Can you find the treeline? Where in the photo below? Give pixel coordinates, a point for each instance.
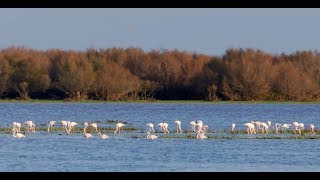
(132, 74)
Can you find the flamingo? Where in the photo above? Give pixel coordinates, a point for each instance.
(250, 128)
(150, 127)
(95, 126)
(301, 126)
(193, 124)
(161, 127)
(65, 125)
(296, 125)
(17, 134)
(258, 125)
(200, 125)
(29, 124)
(277, 127)
(265, 127)
(205, 128)
(269, 123)
(85, 134)
(33, 128)
(178, 123)
(253, 128)
(119, 126)
(165, 127)
(16, 126)
(286, 126)
(151, 136)
(200, 135)
(71, 126)
(103, 136)
(233, 125)
(311, 128)
(50, 125)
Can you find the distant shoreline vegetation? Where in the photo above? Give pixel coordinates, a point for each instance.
(155, 101)
(133, 75)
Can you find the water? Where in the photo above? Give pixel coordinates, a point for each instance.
(43, 152)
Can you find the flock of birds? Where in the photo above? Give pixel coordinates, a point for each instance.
(68, 126)
(253, 127)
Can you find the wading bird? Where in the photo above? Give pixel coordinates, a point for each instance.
(94, 126)
(233, 125)
(311, 128)
(119, 126)
(250, 128)
(200, 135)
(150, 127)
(85, 134)
(165, 127)
(193, 125)
(200, 125)
(71, 126)
(17, 134)
(277, 127)
(205, 128)
(103, 136)
(30, 126)
(151, 136)
(178, 125)
(50, 125)
(16, 126)
(65, 126)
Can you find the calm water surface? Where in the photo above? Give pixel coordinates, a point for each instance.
(65, 153)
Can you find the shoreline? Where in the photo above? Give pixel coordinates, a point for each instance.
(158, 101)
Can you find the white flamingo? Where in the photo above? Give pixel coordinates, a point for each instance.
(119, 126)
(296, 125)
(103, 136)
(269, 123)
(71, 126)
(95, 126)
(200, 125)
(161, 127)
(265, 127)
(17, 134)
(65, 126)
(277, 127)
(311, 128)
(29, 125)
(150, 127)
(200, 135)
(85, 134)
(301, 126)
(250, 128)
(178, 124)
(165, 127)
(233, 125)
(205, 128)
(151, 136)
(50, 125)
(286, 126)
(193, 125)
(16, 126)
(258, 125)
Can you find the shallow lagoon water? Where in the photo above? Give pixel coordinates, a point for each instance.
(43, 152)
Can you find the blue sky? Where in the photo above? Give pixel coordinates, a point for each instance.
(210, 31)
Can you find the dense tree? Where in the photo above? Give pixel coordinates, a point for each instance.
(5, 74)
(114, 82)
(131, 74)
(74, 75)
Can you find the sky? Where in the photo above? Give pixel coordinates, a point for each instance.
(209, 31)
